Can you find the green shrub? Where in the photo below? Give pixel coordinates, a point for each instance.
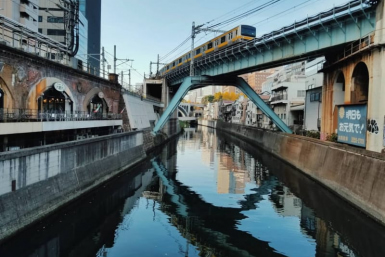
(332, 137)
(313, 134)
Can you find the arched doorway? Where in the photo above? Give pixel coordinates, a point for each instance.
(339, 90)
(54, 101)
(360, 84)
(97, 107)
(338, 97)
(1, 99)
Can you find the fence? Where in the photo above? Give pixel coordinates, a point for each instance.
(26, 115)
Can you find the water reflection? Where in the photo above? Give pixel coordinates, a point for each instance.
(207, 194)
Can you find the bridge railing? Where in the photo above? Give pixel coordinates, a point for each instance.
(357, 46)
(28, 115)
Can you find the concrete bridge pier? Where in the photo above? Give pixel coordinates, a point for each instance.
(172, 126)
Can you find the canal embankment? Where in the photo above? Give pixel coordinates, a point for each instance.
(355, 174)
(38, 181)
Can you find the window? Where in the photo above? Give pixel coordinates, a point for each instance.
(173, 64)
(198, 51)
(301, 93)
(210, 45)
(40, 19)
(284, 116)
(40, 30)
(56, 32)
(54, 19)
(315, 97)
(180, 60)
(223, 39)
(230, 35)
(168, 67)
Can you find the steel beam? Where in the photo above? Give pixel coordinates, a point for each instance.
(202, 81)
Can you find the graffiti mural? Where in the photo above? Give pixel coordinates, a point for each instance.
(372, 126)
(383, 135)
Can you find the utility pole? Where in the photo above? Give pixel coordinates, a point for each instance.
(194, 31)
(129, 79)
(103, 61)
(114, 59)
(150, 68)
(157, 66)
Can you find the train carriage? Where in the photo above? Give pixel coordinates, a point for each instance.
(233, 36)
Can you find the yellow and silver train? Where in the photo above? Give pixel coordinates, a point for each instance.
(235, 35)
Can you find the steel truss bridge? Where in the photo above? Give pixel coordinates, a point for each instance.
(328, 32)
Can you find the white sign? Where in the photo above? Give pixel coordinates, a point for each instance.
(100, 94)
(59, 86)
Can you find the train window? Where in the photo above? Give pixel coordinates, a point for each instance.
(223, 39)
(236, 32)
(180, 60)
(210, 45)
(197, 51)
(173, 64)
(188, 56)
(168, 67)
(230, 35)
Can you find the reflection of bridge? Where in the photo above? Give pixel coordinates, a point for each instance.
(218, 223)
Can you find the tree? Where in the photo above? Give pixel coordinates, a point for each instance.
(217, 96)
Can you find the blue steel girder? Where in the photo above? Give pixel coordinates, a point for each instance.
(202, 81)
(314, 36)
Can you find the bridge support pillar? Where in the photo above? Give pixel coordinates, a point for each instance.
(202, 81)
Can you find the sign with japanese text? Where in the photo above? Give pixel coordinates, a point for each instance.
(352, 124)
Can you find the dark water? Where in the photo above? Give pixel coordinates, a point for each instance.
(205, 194)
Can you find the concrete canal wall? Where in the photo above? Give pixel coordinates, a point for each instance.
(355, 174)
(37, 181)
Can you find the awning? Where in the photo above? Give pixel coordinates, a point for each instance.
(297, 108)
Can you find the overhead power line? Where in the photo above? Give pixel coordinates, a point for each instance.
(175, 49)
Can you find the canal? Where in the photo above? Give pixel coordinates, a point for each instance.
(204, 194)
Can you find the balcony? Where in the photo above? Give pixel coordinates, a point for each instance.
(276, 99)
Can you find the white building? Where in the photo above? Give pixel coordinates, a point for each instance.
(25, 12)
(313, 104)
(288, 94)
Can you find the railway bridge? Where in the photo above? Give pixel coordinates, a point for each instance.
(351, 37)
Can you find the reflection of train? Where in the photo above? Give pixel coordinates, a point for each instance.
(235, 35)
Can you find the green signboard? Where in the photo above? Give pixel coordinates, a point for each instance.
(352, 124)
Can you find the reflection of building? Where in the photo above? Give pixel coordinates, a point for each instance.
(285, 202)
(232, 174)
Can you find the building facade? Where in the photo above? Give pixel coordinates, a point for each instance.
(24, 12)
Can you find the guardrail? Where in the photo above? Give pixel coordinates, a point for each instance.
(28, 115)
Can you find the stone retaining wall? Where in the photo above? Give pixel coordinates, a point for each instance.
(37, 181)
(355, 174)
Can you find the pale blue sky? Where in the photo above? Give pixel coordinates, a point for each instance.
(142, 29)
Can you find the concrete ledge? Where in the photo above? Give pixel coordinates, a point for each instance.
(355, 174)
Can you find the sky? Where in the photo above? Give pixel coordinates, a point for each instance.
(142, 29)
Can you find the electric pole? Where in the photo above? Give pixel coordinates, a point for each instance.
(157, 66)
(194, 31)
(103, 61)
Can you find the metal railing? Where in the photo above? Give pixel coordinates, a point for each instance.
(28, 115)
(278, 97)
